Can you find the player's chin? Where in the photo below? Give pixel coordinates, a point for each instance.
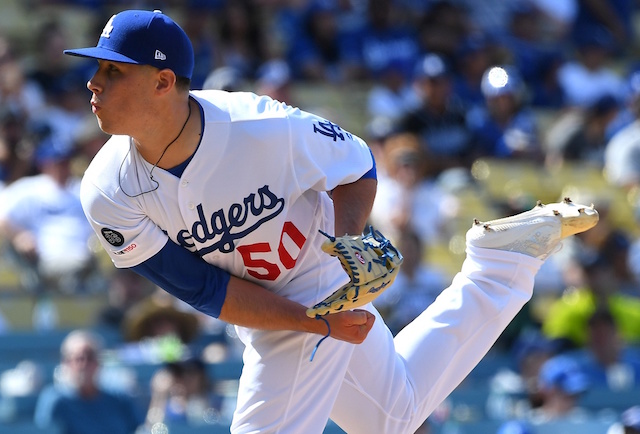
(104, 126)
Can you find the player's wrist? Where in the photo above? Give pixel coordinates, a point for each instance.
(315, 325)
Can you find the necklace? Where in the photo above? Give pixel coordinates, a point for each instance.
(170, 143)
(157, 184)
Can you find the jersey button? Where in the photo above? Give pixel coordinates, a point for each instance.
(191, 205)
(185, 183)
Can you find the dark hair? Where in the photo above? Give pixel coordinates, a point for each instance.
(602, 315)
(183, 83)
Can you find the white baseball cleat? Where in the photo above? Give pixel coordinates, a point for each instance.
(536, 232)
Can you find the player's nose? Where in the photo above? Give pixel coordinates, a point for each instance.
(93, 84)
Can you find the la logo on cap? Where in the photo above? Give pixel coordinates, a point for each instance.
(108, 28)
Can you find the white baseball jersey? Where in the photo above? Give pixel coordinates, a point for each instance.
(250, 201)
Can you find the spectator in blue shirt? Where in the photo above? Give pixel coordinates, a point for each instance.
(504, 127)
(606, 360)
(439, 120)
(76, 404)
(384, 40)
(318, 49)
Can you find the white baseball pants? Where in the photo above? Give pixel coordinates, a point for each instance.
(383, 385)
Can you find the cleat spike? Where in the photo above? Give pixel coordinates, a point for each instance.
(556, 212)
(567, 200)
(581, 210)
(476, 222)
(539, 203)
(487, 227)
(592, 206)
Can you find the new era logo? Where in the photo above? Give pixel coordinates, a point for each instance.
(160, 55)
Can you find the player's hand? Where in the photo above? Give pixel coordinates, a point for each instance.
(351, 326)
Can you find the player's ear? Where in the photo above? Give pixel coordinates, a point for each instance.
(165, 80)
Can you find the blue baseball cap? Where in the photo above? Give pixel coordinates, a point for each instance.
(431, 66)
(515, 427)
(564, 373)
(53, 149)
(143, 38)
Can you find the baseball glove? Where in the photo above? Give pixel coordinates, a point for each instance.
(371, 262)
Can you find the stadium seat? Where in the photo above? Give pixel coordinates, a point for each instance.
(198, 429)
(566, 427)
(559, 427)
(602, 398)
(26, 428)
(17, 409)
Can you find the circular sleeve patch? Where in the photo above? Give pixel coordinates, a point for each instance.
(114, 238)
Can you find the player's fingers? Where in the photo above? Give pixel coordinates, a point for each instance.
(351, 326)
(360, 316)
(364, 325)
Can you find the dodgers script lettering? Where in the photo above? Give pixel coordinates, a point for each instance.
(220, 225)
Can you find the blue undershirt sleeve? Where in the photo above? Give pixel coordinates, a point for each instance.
(188, 277)
(372, 173)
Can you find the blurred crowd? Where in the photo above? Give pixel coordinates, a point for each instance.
(449, 90)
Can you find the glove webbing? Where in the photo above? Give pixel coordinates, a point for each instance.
(349, 261)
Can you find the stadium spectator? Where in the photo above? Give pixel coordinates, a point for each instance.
(557, 17)
(198, 22)
(391, 94)
(587, 140)
(316, 50)
(61, 81)
(442, 28)
(407, 200)
(384, 40)
(183, 393)
(567, 318)
(629, 422)
(274, 79)
(76, 403)
(561, 383)
(242, 42)
(157, 316)
(15, 152)
(622, 153)
(438, 120)
(505, 127)
(610, 245)
(415, 288)
(377, 131)
(225, 78)
(514, 389)
(611, 18)
(524, 42)
(588, 75)
(606, 359)
(88, 138)
(534, 57)
(125, 289)
(472, 58)
(18, 93)
(490, 17)
(51, 69)
(49, 236)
